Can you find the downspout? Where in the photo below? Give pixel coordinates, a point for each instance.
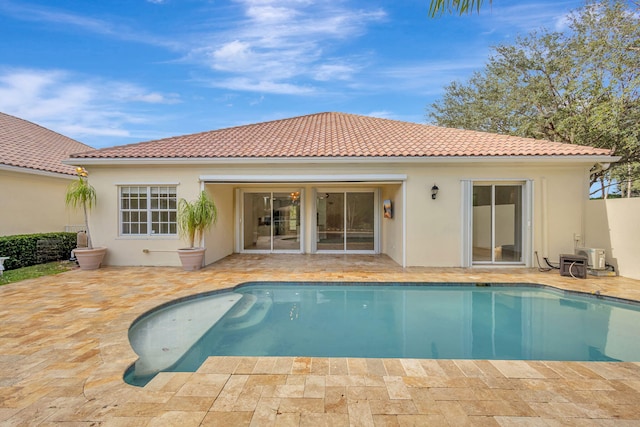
(545, 218)
(404, 224)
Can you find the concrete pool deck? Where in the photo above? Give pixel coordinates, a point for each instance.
(64, 349)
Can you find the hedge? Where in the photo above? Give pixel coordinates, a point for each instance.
(24, 250)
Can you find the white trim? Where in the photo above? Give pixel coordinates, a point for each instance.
(376, 219)
(149, 212)
(30, 171)
(239, 221)
(241, 229)
(527, 239)
(587, 159)
(404, 224)
(467, 224)
(147, 183)
(274, 179)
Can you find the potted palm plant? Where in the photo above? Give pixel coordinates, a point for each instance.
(81, 194)
(194, 218)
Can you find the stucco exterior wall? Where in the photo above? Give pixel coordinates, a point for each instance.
(391, 228)
(219, 240)
(31, 203)
(613, 225)
(433, 227)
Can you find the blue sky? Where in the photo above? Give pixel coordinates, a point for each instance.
(114, 72)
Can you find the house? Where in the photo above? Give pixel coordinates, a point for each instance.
(343, 183)
(33, 178)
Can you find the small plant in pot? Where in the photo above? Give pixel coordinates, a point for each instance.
(194, 218)
(81, 194)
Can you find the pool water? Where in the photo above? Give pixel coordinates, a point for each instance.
(387, 321)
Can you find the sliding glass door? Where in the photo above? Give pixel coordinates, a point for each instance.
(346, 221)
(271, 221)
(497, 220)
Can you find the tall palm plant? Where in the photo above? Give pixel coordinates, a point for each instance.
(81, 193)
(196, 217)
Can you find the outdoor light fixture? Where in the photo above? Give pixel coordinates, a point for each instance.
(434, 191)
(82, 172)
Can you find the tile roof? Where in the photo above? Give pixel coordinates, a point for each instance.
(340, 135)
(28, 145)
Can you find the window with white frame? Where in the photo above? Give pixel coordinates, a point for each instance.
(148, 210)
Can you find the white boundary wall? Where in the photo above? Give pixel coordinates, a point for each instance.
(614, 225)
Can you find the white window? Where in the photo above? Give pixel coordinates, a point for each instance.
(148, 210)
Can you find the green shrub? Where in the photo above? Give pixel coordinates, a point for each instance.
(24, 250)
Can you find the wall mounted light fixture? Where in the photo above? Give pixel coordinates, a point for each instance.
(434, 191)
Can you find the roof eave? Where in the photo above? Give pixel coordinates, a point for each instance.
(124, 161)
(32, 171)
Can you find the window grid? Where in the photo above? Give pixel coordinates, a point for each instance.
(148, 210)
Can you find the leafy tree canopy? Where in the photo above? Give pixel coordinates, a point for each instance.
(579, 86)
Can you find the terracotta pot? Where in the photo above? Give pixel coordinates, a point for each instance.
(191, 258)
(89, 259)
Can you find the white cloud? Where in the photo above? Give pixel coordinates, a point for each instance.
(262, 86)
(381, 114)
(69, 21)
(426, 78)
(278, 44)
(127, 92)
(532, 16)
(74, 105)
(274, 45)
(561, 23)
(331, 72)
(271, 14)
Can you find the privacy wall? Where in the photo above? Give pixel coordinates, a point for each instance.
(613, 225)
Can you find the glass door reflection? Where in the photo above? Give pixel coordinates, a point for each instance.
(271, 221)
(360, 222)
(497, 223)
(330, 215)
(286, 221)
(345, 221)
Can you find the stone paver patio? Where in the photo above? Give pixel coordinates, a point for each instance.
(64, 349)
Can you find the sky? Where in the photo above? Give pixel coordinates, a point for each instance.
(113, 72)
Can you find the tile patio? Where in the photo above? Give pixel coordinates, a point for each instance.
(64, 349)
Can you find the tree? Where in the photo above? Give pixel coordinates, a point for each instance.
(581, 86)
(438, 7)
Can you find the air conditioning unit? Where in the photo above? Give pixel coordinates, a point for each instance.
(595, 257)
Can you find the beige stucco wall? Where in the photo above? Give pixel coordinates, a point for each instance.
(31, 203)
(391, 228)
(613, 225)
(433, 227)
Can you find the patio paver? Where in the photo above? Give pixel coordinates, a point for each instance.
(64, 349)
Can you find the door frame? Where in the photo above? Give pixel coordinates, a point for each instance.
(467, 221)
(376, 218)
(240, 230)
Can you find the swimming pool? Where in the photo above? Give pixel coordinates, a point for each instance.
(373, 320)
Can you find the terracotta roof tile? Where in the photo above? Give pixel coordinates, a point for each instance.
(340, 135)
(28, 145)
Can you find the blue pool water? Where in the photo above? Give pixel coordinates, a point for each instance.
(385, 321)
